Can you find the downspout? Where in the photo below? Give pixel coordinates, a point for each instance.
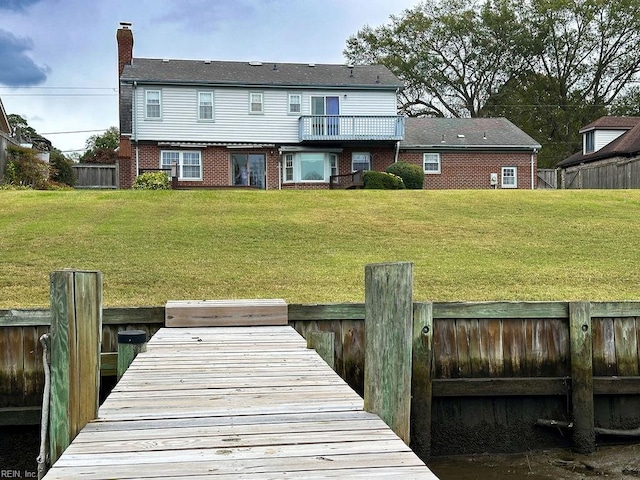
(279, 169)
(135, 125)
(532, 168)
(395, 160)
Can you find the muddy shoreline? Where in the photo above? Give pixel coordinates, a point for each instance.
(614, 462)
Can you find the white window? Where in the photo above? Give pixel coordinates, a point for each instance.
(309, 167)
(509, 177)
(333, 160)
(590, 142)
(189, 163)
(431, 163)
(312, 167)
(153, 104)
(295, 103)
(256, 102)
(360, 161)
(205, 105)
(288, 167)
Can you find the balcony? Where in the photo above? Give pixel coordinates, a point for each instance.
(350, 127)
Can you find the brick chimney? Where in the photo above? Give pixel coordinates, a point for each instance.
(124, 36)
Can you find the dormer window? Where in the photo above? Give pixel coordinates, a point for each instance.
(589, 142)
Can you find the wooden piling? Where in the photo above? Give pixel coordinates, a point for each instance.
(76, 325)
(584, 439)
(324, 344)
(130, 344)
(421, 374)
(388, 344)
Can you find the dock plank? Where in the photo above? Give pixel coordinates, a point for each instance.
(241, 402)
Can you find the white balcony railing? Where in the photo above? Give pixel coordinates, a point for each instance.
(350, 127)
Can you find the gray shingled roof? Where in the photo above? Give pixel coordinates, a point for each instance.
(266, 74)
(449, 133)
(626, 145)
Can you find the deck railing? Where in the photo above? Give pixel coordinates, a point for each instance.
(348, 180)
(351, 127)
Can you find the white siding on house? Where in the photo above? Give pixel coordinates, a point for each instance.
(601, 138)
(232, 120)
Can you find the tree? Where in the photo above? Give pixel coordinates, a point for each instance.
(61, 170)
(102, 148)
(21, 130)
(450, 55)
(551, 66)
(25, 168)
(627, 104)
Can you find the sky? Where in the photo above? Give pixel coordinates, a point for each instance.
(58, 58)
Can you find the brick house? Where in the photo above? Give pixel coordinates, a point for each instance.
(470, 153)
(610, 156)
(249, 124)
(296, 126)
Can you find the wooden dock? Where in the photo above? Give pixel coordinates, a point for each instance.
(234, 402)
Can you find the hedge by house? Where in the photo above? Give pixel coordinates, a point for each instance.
(412, 175)
(382, 181)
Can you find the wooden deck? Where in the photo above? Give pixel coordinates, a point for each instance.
(234, 402)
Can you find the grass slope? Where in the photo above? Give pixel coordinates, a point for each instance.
(312, 246)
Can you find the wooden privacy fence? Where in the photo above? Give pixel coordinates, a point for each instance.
(581, 359)
(615, 174)
(547, 178)
(96, 175)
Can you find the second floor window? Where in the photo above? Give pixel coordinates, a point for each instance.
(295, 103)
(205, 105)
(256, 102)
(153, 104)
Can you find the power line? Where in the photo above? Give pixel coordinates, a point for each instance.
(62, 88)
(74, 131)
(59, 94)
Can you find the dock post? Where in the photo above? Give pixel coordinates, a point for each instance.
(76, 329)
(324, 345)
(421, 374)
(584, 438)
(388, 342)
(130, 344)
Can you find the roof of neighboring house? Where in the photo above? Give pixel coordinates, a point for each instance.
(465, 133)
(4, 121)
(202, 72)
(626, 145)
(611, 123)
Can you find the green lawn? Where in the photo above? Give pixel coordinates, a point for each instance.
(312, 246)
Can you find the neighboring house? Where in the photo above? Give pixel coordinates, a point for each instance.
(264, 125)
(470, 153)
(610, 156)
(5, 139)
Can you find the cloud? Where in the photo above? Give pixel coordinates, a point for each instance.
(18, 69)
(16, 5)
(203, 15)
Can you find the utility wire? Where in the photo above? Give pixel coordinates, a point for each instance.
(74, 131)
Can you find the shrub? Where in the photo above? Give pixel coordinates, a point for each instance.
(152, 181)
(25, 168)
(412, 175)
(382, 181)
(61, 170)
